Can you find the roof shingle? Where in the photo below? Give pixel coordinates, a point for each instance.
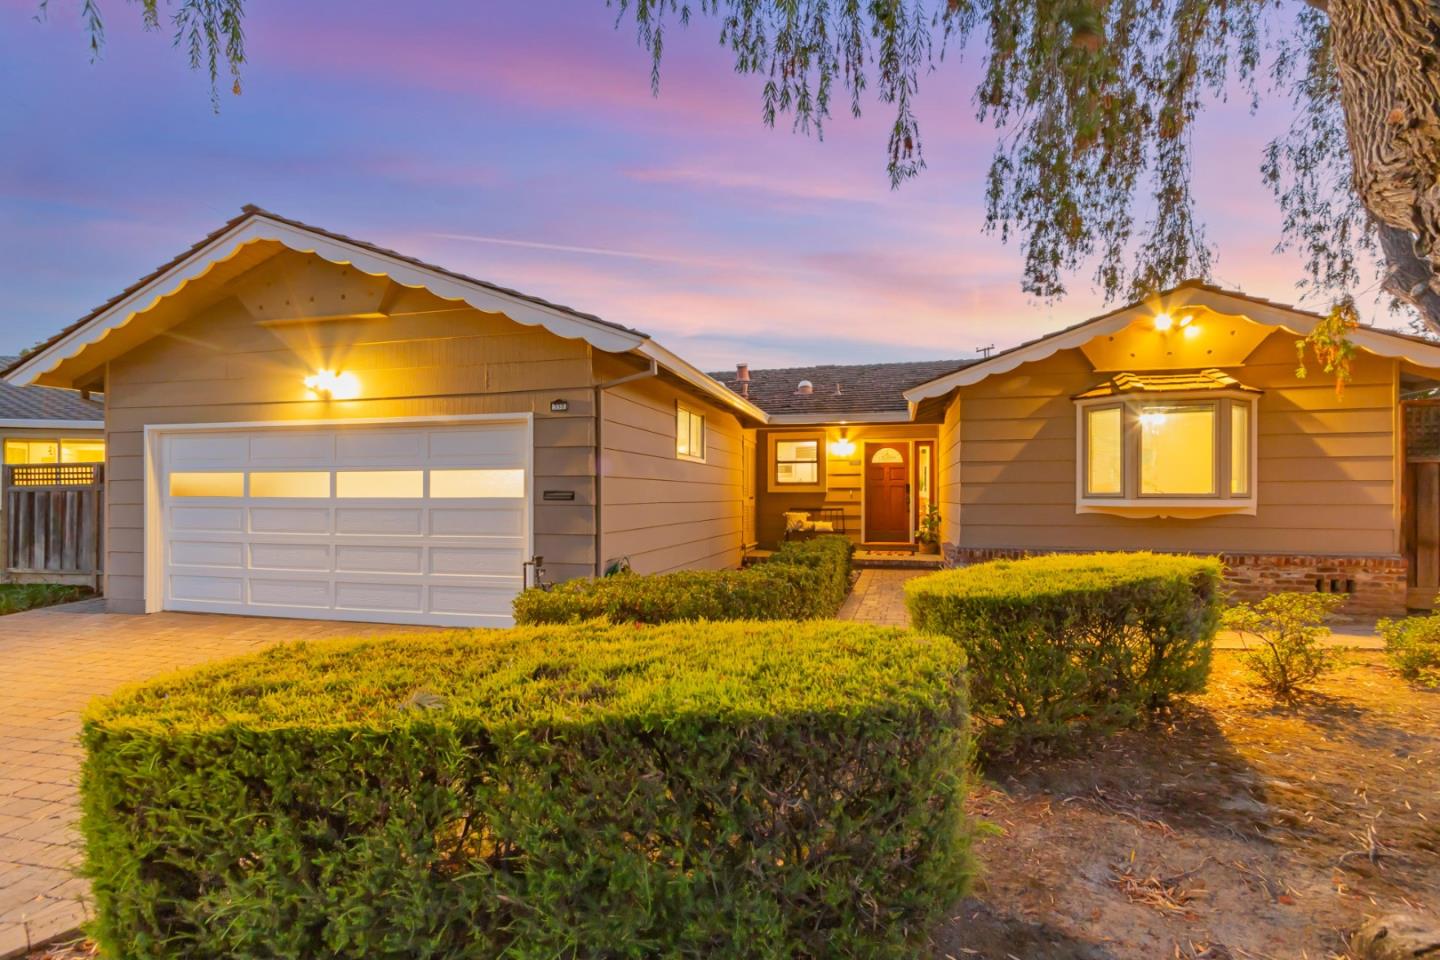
(44, 403)
(839, 389)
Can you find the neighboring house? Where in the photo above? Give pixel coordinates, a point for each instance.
(303, 424)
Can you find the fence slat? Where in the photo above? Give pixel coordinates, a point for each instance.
(52, 518)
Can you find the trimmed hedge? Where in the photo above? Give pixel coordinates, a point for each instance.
(734, 790)
(1069, 641)
(804, 580)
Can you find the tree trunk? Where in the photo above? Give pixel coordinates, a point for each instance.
(1387, 54)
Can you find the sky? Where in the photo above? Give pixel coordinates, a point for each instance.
(520, 143)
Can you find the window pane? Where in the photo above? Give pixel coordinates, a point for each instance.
(682, 432)
(207, 484)
(1177, 450)
(697, 436)
(32, 451)
(17, 451)
(1104, 466)
(386, 484)
(807, 450)
(82, 451)
(308, 484)
(797, 473)
(1239, 448)
(453, 484)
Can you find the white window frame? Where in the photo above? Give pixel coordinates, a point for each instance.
(683, 413)
(1130, 502)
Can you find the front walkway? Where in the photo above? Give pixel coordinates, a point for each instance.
(52, 662)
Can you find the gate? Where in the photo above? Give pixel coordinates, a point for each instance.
(1420, 510)
(53, 517)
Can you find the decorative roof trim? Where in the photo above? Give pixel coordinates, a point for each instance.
(1383, 343)
(1210, 380)
(257, 225)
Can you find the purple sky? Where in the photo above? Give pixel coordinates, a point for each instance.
(519, 142)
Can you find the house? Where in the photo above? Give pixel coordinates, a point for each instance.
(304, 424)
(41, 426)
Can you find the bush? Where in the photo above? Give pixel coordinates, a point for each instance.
(1288, 628)
(805, 580)
(19, 597)
(1413, 647)
(730, 790)
(1072, 641)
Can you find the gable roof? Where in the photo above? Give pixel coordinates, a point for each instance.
(1385, 343)
(255, 225)
(45, 405)
(839, 390)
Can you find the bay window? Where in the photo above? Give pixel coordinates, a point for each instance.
(1187, 453)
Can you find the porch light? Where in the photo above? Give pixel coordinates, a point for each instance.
(330, 385)
(1163, 322)
(843, 447)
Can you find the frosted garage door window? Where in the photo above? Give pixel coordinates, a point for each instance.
(207, 484)
(458, 484)
(304, 484)
(380, 484)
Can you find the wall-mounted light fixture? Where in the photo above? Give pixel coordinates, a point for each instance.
(559, 406)
(1163, 322)
(842, 447)
(330, 385)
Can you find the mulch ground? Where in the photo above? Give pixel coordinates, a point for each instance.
(1232, 828)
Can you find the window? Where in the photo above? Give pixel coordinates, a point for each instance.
(54, 451)
(1190, 452)
(797, 462)
(380, 484)
(458, 484)
(207, 484)
(305, 484)
(689, 434)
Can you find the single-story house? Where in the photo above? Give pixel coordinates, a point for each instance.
(304, 424)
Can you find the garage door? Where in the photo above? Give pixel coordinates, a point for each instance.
(410, 523)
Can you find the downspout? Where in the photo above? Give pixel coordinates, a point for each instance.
(600, 389)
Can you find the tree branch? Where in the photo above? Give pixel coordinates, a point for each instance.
(1411, 277)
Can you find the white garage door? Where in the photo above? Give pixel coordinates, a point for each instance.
(395, 523)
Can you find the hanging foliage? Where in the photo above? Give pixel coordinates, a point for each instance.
(1330, 342)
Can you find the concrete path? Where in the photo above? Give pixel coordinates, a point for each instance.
(52, 662)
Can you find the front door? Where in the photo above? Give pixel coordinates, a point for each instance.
(887, 493)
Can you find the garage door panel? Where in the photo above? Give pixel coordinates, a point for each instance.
(395, 521)
(477, 522)
(364, 559)
(290, 520)
(207, 553)
(412, 523)
(291, 593)
(212, 519)
(309, 557)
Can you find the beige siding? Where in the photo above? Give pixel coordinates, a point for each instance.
(662, 512)
(1326, 464)
(220, 366)
(844, 476)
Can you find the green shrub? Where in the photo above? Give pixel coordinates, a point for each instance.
(19, 597)
(755, 790)
(802, 581)
(1072, 641)
(1413, 647)
(1287, 630)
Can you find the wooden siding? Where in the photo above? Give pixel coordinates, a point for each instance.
(430, 358)
(1327, 465)
(661, 512)
(844, 476)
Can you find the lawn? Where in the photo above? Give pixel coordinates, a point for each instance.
(19, 597)
(1234, 829)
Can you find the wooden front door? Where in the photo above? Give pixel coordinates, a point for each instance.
(887, 493)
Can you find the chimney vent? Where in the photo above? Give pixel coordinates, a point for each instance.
(805, 388)
(742, 378)
(838, 390)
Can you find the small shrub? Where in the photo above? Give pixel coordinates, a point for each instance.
(805, 580)
(1073, 641)
(1413, 647)
(739, 790)
(1288, 629)
(19, 597)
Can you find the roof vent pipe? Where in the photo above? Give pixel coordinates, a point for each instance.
(805, 388)
(742, 377)
(838, 390)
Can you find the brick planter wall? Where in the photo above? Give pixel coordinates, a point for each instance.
(1376, 585)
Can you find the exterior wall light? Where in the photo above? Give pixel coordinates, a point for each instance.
(329, 385)
(842, 447)
(1163, 322)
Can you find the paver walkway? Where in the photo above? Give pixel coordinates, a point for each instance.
(52, 662)
(879, 597)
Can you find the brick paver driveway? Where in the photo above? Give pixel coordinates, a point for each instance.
(52, 662)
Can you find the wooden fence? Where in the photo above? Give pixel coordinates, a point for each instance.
(53, 516)
(1420, 504)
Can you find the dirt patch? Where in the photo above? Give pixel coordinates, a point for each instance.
(1231, 828)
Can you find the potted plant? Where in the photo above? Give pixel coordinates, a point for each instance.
(929, 533)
